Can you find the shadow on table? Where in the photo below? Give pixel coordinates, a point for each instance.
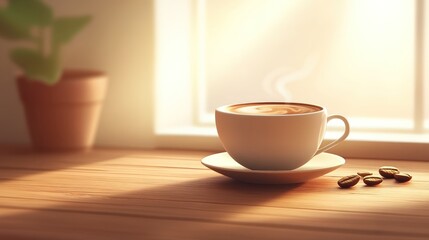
(151, 213)
(206, 208)
(21, 162)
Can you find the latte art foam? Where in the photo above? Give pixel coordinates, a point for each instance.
(272, 109)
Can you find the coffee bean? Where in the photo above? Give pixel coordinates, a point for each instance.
(388, 171)
(348, 181)
(402, 177)
(372, 180)
(364, 174)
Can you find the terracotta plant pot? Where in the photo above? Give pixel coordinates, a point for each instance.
(64, 116)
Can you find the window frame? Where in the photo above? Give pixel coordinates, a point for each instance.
(191, 133)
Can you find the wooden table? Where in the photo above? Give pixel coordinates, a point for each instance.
(166, 194)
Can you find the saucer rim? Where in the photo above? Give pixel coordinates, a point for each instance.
(341, 162)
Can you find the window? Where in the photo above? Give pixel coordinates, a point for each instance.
(360, 58)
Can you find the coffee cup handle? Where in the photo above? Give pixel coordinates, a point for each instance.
(342, 138)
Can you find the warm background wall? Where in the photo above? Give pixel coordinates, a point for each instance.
(120, 41)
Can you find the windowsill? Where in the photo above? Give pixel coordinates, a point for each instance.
(357, 145)
(330, 135)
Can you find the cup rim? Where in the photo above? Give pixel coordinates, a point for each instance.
(222, 109)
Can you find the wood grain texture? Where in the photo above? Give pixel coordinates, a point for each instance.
(168, 194)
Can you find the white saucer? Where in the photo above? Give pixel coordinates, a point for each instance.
(316, 167)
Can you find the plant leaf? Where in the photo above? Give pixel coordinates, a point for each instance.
(36, 66)
(31, 12)
(66, 27)
(17, 19)
(11, 29)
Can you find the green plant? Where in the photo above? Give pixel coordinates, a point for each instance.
(33, 21)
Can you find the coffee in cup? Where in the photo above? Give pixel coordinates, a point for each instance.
(274, 135)
(272, 108)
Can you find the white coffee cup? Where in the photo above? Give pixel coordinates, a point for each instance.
(274, 135)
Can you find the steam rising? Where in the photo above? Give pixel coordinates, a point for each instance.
(275, 83)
